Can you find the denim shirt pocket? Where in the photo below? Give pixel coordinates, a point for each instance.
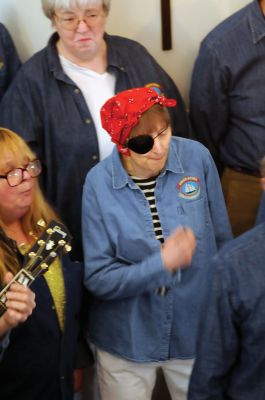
(196, 216)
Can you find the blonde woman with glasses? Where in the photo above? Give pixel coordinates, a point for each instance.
(38, 326)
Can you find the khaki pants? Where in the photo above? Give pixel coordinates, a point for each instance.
(120, 379)
(242, 195)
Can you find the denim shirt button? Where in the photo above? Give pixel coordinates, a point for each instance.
(122, 68)
(76, 90)
(88, 121)
(94, 157)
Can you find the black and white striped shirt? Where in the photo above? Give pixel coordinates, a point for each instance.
(147, 186)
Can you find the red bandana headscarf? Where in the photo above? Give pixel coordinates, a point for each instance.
(122, 112)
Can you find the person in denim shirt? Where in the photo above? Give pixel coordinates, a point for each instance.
(142, 206)
(230, 356)
(9, 60)
(55, 101)
(227, 110)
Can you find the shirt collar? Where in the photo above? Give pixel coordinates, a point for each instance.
(113, 55)
(54, 61)
(120, 178)
(256, 22)
(173, 161)
(53, 57)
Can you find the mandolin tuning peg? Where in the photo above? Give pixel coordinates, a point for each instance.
(53, 254)
(41, 222)
(41, 242)
(49, 231)
(32, 254)
(61, 242)
(68, 247)
(44, 266)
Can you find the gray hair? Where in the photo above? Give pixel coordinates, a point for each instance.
(50, 6)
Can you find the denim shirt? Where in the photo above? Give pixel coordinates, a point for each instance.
(123, 262)
(227, 93)
(49, 111)
(9, 60)
(230, 361)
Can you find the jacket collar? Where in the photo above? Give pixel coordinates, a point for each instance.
(120, 178)
(55, 65)
(113, 58)
(256, 22)
(54, 61)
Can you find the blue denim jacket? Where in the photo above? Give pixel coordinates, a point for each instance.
(227, 94)
(230, 361)
(49, 111)
(123, 263)
(9, 60)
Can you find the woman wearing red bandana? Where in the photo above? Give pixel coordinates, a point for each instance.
(61, 90)
(153, 215)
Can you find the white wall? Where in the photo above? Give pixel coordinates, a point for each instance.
(136, 19)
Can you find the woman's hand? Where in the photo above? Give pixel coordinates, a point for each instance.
(20, 304)
(178, 249)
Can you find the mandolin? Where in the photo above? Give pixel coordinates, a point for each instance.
(51, 243)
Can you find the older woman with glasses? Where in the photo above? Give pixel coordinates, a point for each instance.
(38, 326)
(144, 209)
(62, 88)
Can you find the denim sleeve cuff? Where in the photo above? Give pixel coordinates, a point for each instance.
(160, 275)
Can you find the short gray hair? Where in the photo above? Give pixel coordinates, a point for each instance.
(50, 6)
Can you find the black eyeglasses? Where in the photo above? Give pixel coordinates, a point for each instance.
(15, 176)
(142, 144)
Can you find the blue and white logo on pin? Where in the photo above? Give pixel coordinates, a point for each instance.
(189, 187)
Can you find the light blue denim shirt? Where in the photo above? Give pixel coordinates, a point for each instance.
(123, 263)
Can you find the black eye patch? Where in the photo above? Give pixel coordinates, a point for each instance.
(142, 144)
